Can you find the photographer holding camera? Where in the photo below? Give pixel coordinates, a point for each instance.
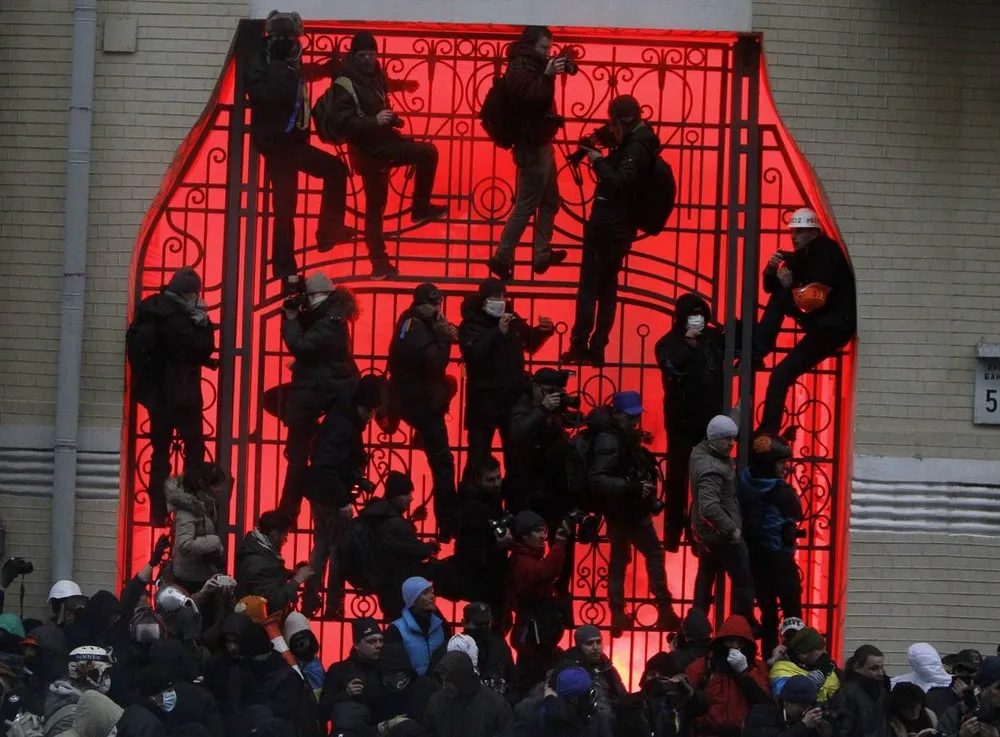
(356, 109)
(194, 499)
(793, 714)
(622, 479)
(529, 87)
(316, 332)
(279, 126)
(611, 227)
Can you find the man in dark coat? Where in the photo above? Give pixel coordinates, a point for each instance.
(464, 707)
(357, 679)
(693, 640)
(177, 704)
(529, 87)
(690, 358)
(493, 340)
(814, 285)
(318, 336)
(269, 680)
(406, 693)
(418, 380)
(359, 112)
(496, 663)
(610, 229)
(279, 126)
(794, 714)
(260, 570)
(978, 713)
(665, 706)
(609, 689)
(224, 671)
(169, 341)
(862, 703)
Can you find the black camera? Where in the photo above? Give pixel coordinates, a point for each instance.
(296, 302)
(395, 121)
(13, 568)
(502, 526)
(600, 138)
(568, 401)
(569, 54)
(586, 525)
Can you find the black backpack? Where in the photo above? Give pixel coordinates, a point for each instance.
(656, 199)
(142, 351)
(322, 112)
(358, 556)
(578, 467)
(496, 114)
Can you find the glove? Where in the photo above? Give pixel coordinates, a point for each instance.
(737, 660)
(159, 550)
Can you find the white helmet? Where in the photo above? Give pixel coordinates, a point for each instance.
(64, 590)
(179, 612)
(804, 218)
(91, 664)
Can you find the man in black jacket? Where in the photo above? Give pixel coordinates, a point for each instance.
(406, 693)
(170, 339)
(794, 715)
(176, 703)
(690, 358)
(279, 126)
(622, 477)
(814, 285)
(318, 336)
(356, 680)
(496, 662)
(464, 707)
(260, 570)
(665, 706)
(337, 465)
(418, 379)
(530, 91)
(609, 689)
(862, 703)
(493, 340)
(610, 229)
(358, 111)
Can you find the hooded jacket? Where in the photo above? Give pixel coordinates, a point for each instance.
(138, 721)
(771, 512)
(608, 685)
(411, 700)
(929, 674)
(338, 459)
(730, 695)
(297, 624)
(340, 674)
(418, 365)
(694, 639)
(60, 705)
(101, 608)
(197, 549)
(715, 506)
(531, 589)
(95, 715)
(618, 463)
(532, 96)
(621, 175)
(260, 571)
(224, 675)
(275, 89)
(464, 707)
(274, 683)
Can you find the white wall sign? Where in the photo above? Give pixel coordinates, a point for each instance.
(987, 406)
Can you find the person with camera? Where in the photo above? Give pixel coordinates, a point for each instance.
(609, 690)
(419, 384)
(529, 93)
(168, 343)
(862, 703)
(496, 661)
(493, 340)
(356, 109)
(611, 227)
(316, 331)
(665, 705)
(260, 570)
(337, 465)
(814, 285)
(978, 714)
(622, 484)
(690, 357)
(566, 708)
(276, 85)
(794, 713)
(194, 500)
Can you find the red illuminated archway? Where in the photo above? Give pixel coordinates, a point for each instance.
(740, 176)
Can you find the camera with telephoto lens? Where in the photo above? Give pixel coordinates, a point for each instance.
(569, 54)
(643, 479)
(568, 401)
(13, 568)
(597, 139)
(502, 526)
(586, 525)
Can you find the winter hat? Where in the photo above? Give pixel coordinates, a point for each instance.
(318, 283)
(989, 671)
(394, 658)
(628, 402)
(11, 624)
(364, 627)
(369, 391)
(573, 681)
(426, 294)
(363, 41)
(906, 695)
(253, 606)
(624, 107)
(154, 678)
(413, 587)
(397, 484)
(720, 427)
(490, 288)
(527, 521)
(696, 628)
(807, 640)
(585, 633)
(477, 613)
(295, 622)
(184, 281)
(255, 641)
(465, 644)
(799, 690)
(663, 663)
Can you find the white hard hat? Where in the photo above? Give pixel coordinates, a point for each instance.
(64, 590)
(804, 218)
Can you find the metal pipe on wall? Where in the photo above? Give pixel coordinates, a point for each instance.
(78, 145)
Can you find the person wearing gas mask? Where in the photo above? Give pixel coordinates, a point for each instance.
(529, 87)
(496, 662)
(771, 512)
(356, 681)
(807, 656)
(622, 483)
(418, 381)
(814, 285)
(145, 629)
(260, 570)
(690, 357)
(276, 85)
(406, 692)
(464, 707)
(493, 340)
(89, 669)
(337, 465)
(316, 330)
(793, 714)
(356, 109)
(665, 705)
(611, 228)
(169, 342)
(730, 680)
(716, 519)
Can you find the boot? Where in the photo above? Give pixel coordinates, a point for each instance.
(555, 258)
(501, 268)
(620, 622)
(667, 620)
(425, 212)
(340, 234)
(382, 267)
(576, 354)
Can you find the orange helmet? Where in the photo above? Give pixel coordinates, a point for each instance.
(811, 297)
(254, 607)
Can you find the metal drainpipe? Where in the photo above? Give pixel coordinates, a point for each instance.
(81, 103)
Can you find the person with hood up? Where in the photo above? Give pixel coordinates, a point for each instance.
(144, 630)
(406, 693)
(716, 519)
(807, 656)
(977, 715)
(862, 703)
(665, 706)
(46, 654)
(103, 624)
(269, 680)
(567, 707)
(260, 570)
(771, 512)
(529, 87)
(690, 356)
(422, 628)
(194, 500)
(927, 672)
(337, 465)
(463, 643)
(178, 704)
(356, 109)
(611, 228)
(89, 669)
(694, 639)
(96, 716)
(493, 340)
(316, 331)
(353, 690)
(909, 713)
(224, 671)
(169, 341)
(609, 689)
(305, 647)
(464, 707)
(794, 713)
(731, 679)
(495, 661)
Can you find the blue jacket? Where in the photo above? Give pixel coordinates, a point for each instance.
(771, 511)
(420, 647)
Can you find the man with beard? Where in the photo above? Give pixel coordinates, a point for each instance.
(862, 702)
(609, 689)
(358, 111)
(665, 706)
(356, 681)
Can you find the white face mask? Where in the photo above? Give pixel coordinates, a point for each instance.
(696, 322)
(168, 700)
(495, 307)
(316, 299)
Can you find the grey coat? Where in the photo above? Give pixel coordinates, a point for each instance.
(197, 549)
(715, 505)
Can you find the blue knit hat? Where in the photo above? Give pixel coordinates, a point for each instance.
(573, 681)
(412, 589)
(799, 690)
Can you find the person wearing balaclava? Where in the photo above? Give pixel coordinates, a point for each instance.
(357, 109)
(169, 341)
(276, 85)
(464, 707)
(406, 692)
(493, 340)
(690, 357)
(316, 330)
(176, 703)
(611, 227)
(928, 672)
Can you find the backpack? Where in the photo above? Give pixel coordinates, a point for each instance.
(656, 199)
(323, 109)
(496, 114)
(578, 466)
(358, 556)
(142, 351)
(27, 724)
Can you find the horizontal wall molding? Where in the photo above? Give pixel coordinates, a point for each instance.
(26, 460)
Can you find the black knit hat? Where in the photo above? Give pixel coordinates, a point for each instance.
(369, 391)
(527, 521)
(363, 41)
(624, 107)
(491, 288)
(185, 281)
(426, 294)
(397, 484)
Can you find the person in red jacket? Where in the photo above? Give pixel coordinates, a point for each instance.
(531, 597)
(732, 679)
